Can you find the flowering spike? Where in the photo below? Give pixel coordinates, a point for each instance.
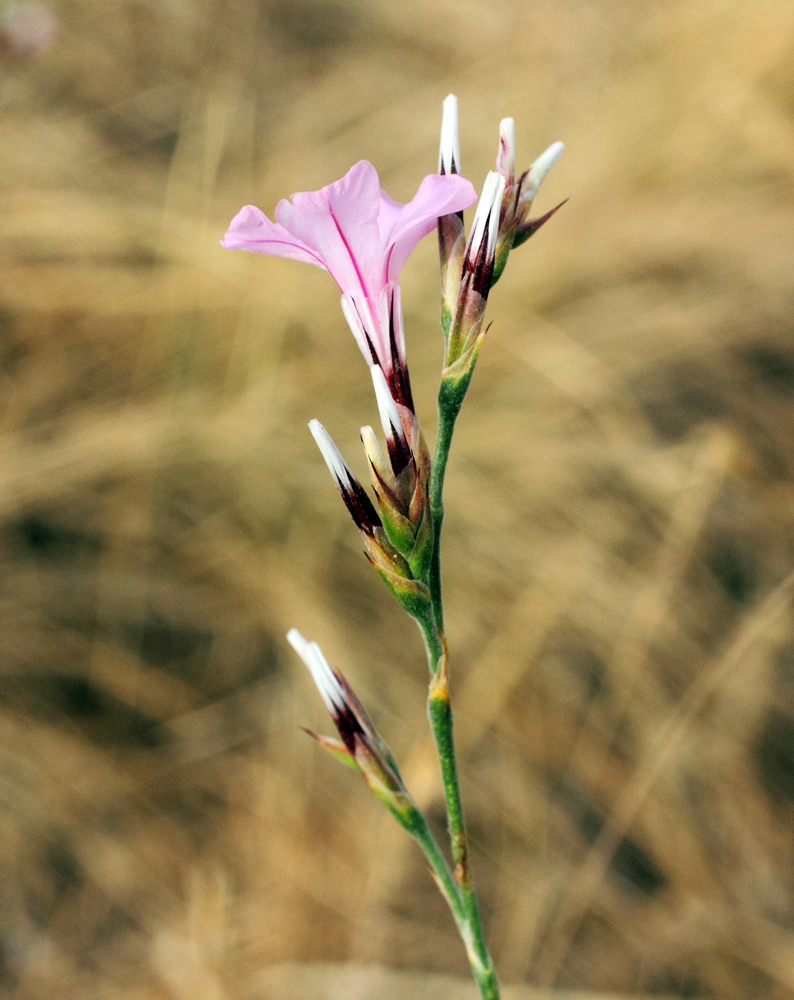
(356, 500)
(449, 152)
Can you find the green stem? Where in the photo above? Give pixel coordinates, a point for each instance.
(415, 823)
(446, 425)
(440, 715)
(451, 394)
(450, 398)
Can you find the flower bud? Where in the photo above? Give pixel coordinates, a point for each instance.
(449, 152)
(506, 166)
(356, 500)
(533, 178)
(361, 744)
(513, 230)
(401, 485)
(481, 248)
(451, 232)
(476, 280)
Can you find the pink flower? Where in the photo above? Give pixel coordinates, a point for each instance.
(361, 236)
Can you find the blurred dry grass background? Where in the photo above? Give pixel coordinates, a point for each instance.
(620, 526)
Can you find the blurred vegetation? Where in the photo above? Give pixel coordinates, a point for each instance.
(620, 518)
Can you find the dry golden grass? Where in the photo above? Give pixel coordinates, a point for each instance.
(620, 517)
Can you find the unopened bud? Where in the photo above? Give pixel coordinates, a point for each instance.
(451, 231)
(361, 742)
(513, 230)
(506, 166)
(356, 500)
(538, 171)
(449, 151)
(401, 485)
(481, 248)
(476, 280)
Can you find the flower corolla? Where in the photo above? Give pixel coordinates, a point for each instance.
(354, 230)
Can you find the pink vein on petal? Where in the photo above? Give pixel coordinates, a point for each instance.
(352, 256)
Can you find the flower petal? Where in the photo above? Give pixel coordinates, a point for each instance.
(437, 195)
(251, 230)
(339, 224)
(388, 216)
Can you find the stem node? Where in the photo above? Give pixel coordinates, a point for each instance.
(439, 684)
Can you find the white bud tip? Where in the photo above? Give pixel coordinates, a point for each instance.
(369, 440)
(449, 153)
(322, 675)
(372, 448)
(333, 458)
(389, 414)
(543, 165)
(298, 643)
(488, 208)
